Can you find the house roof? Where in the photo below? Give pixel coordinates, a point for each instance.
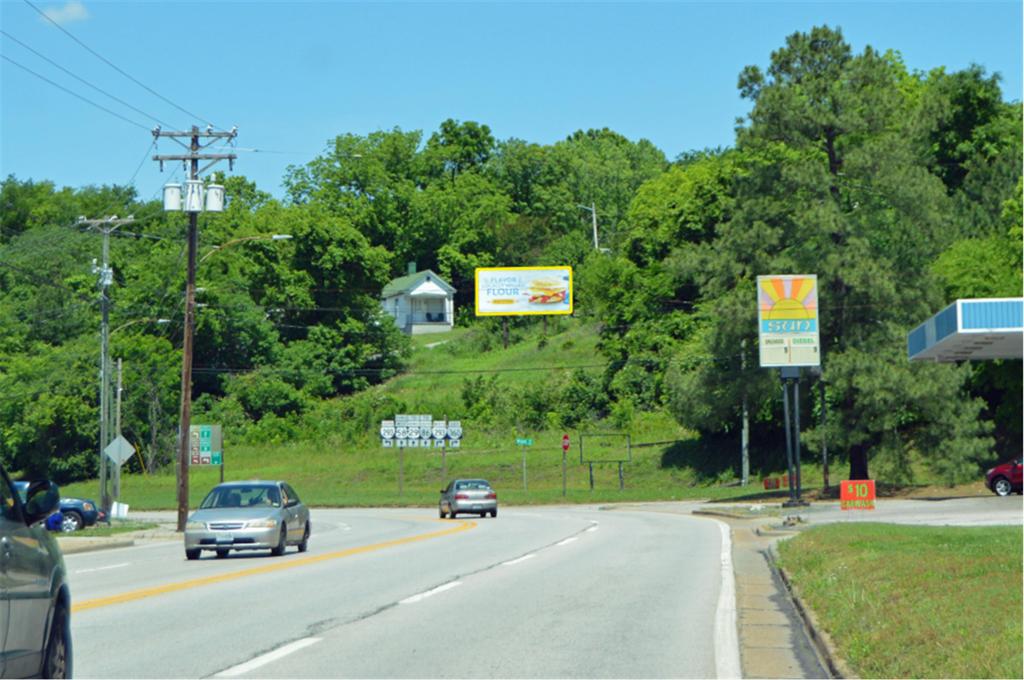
(404, 284)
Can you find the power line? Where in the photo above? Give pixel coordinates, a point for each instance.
(75, 94)
(115, 67)
(80, 79)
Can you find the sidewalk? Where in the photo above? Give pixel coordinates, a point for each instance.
(778, 639)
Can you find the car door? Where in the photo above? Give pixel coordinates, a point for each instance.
(291, 508)
(1016, 473)
(25, 574)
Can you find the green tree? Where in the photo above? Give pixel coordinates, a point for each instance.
(833, 186)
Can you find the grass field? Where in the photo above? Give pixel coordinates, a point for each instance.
(915, 602)
(350, 468)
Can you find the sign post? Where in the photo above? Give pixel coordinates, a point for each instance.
(524, 442)
(419, 431)
(788, 338)
(565, 451)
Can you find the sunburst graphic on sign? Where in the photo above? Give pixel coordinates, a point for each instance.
(789, 298)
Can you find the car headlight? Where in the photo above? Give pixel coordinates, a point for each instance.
(88, 506)
(195, 526)
(261, 524)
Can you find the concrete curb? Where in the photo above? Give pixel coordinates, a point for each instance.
(69, 546)
(821, 640)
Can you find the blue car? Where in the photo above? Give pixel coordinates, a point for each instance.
(74, 513)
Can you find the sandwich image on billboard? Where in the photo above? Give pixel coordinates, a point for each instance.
(514, 291)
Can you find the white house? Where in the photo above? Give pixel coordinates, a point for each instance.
(420, 302)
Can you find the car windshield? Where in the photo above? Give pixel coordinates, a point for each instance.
(472, 485)
(237, 496)
(22, 489)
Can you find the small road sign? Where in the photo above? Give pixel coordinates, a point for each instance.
(119, 450)
(521, 441)
(857, 494)
(565, 442)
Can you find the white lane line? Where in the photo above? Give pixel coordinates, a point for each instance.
(568, 540)
(112, 566)
(519, 559)
(727, 645)
(593, 528)
(280, 652)
(433, 591)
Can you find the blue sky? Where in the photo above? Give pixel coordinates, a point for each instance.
(293, 75)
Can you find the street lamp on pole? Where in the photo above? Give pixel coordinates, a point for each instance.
(258, 237)
(135, 321)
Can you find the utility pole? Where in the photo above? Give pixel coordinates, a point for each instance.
(117, 433)
(193, 205)
(106, 226)
(745, 434)
(593, 218)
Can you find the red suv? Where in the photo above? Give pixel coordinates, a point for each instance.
(1004, 479)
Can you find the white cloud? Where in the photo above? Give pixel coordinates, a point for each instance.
(71, 12)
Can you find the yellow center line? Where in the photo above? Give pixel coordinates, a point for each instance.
(142, 593)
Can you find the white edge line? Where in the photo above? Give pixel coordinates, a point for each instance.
(112, 566)
(264, 659)
(433, 591)
(519, 559)
(593, 528)
(727, 646)
(568, 540)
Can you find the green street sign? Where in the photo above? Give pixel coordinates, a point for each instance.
(206, 445)
(524, 442)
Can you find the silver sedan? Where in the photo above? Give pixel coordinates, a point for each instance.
(468, 495)
(253, 515)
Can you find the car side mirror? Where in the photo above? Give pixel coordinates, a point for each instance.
(41, 499)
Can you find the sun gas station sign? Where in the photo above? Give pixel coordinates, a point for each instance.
(787, 320)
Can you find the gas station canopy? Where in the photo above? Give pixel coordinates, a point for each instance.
(971, 330)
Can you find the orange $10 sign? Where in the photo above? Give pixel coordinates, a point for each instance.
(857, 494)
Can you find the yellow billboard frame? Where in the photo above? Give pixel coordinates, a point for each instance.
(516, 306)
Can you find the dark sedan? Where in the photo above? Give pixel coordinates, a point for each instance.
(76, 513)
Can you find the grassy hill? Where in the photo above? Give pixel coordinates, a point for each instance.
(344, 464)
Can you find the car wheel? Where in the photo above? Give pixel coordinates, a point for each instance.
(494, 513)
(440, 511)
(278, 550)
(192, 553)
(222, 552)
(305, 539)
(451, 513)
(57, 663)
(72, 521)
(1002, 486)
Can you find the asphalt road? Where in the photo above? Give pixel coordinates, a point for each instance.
(537, 592)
